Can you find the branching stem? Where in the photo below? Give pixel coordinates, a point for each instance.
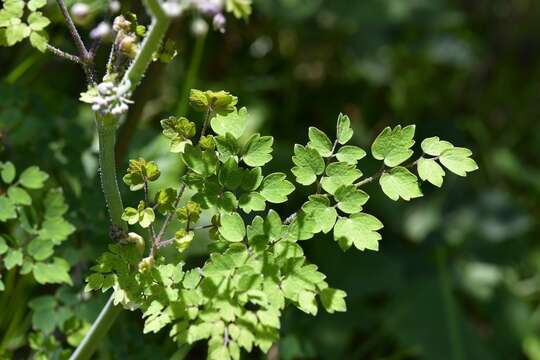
(63, 54)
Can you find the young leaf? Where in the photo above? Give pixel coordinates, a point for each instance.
(350, 154)
(400, 182)
(201, 162)
(429, 170)
(434, 146)
(319, 141)
(359, 229)
(393, 145)
(8, 172)
(309, 164)
(275, 188)
(319, 206)
(458, 161)
(233, 123)
(344, 130)
(333, 300)
(339, 174)
(232, 227)
(350, 199)
(33, 178)
(18, 196)
(258, 150)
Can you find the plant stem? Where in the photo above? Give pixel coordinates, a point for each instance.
(63, 54)
(107, 126)
(99, 329)
(191, 77)
(107, 137)
(150, 44)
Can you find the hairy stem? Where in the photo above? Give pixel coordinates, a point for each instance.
(107, 136)
(151, 43)
(63, 54)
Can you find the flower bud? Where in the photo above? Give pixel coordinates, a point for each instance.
(218, 21)
(134, 238)
(80, 12)
(146, 264)
(128, 46)
(199, 27)
(121, 24)
(102, 30)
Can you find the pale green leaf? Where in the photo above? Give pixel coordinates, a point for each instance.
(275, 188)
(319, 207)
(333, 300)
(350, 154)
(7, 209)
(350, 199)
(258, 150)
(19, 196)
(251, 201)
(359, 229)
(319, 141)
(233, 123)
(458, 161)
(8, 172)
(13, 258)
(393, 145)
(400, 183)
(37, 21)
(232, 227)
(344, 130)
(56, 272)
(201, 162)
(146, 217)
(429, 170)
(33, 178)
(16, 33)
(33, 5)
(434, 146)
(339, 174)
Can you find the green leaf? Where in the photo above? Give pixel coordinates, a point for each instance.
(429, 170)
(13, 258)
(275, 188)
(232, 227)
(7, 209)
(220, 102)
(434, 146)
(393, 145)
(339, 174)
(333, 300)
(146, 217)
(56, 272)
(350, 199)
(8, 172)
(350, 154)
(230, 175)
(18, 196)
(227, 147)
(40, 249)
(344, 130)
(307, 302)
(37, 21)
(241, 9)
(39, 40)
(258, 150)
(131, 215)
(319, 141)
(400, 182)
(251, 201)
(16, 33)
(319, 206)
(138, 171)
(234, 123)
(458, 161)
(165, 199)
(33, 5)
(56, 229)
(33, 178)
(201, 162)
(309, 164)
(252, 179)
(359, 229)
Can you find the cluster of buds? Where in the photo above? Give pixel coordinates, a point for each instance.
(213, 9)
(127, 40)
(111, 98)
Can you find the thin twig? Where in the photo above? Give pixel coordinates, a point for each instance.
(63, 54)
(73, 31)
(170, 215)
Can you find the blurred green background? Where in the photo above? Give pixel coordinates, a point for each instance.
(458, 272)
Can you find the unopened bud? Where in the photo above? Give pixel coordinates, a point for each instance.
(199, 27)
(121, 24)
(102, 30)
(128, 46)
(80, 12)
(146, 264)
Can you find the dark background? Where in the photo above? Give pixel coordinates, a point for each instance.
(458, 271)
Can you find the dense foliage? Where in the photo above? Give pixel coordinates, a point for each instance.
(214, 248)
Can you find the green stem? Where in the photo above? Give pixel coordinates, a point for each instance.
(107, 126)
(99, 329)
(151, 43)
(449, 306)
